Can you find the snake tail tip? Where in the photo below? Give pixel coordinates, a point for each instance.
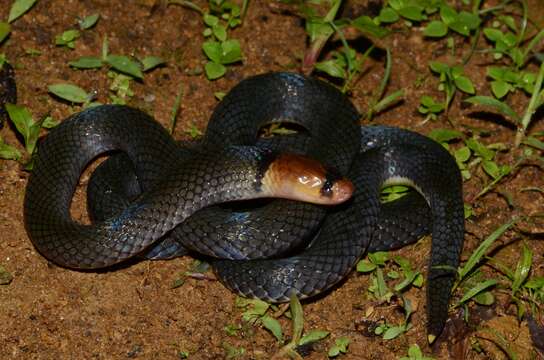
(431, 338)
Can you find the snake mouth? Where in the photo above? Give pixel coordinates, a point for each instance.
(300, 178)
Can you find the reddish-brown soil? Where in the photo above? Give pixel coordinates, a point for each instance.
(48, 312)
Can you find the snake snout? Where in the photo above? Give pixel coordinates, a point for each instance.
(300, 178)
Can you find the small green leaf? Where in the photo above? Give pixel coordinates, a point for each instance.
(9, 152)
(213, 51)
(477, 289)
(462, 154)
(493, 34)
(313, 336)
(365, 266)
(412, 12)
(5, 29)
(379, 257)
(86, 62)
(464, 84)
(340, 346)
(534, 142)
(125, 65)
(388, 15)
(447, 14)
(331, 67)
(480, 149)
(49, 123)
(210, 20)
(435, 29)
(69, 92)
(365, 25)
(439, 67)
(231, 51)
(477, 254)
(19, 7)
(220, 32)
(484, 298)
(393, 332)
(214, 70)
(522, 269)
(273, 326)
(22, 119)
(491, 168)
(151, 62)
(535, 283)
(88, 21)
(500, 106)
(445, 135)
(500, 88)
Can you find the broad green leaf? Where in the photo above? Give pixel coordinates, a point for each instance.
(445, 135)
(464, 84)
(213, 51)
(69, 92)
(67, 37)
(477, 289)
(5, 29)
(522, 269)
(412, 12)
(231, 51)
(273, 326)
(210, 20)
(220, 32)
(88, 21)
(19, 7)
(484, 298)
(22, 119)
(86, 62)
(491, 168)
(500, 88)
(365, 266)
(435, 29)
(393, 332)
(125, 65)
(439, 67)
(500, 106)
(480, 149)
(214, 70)
(331, 67)
(379, 257)
(462, 154)
(8, 152)
(318, 29)
(388, 15)
(414, 352)
(340, 346)
(493, 34)
(313, 336)
(151, 62)
(447, 14)
(365, 25)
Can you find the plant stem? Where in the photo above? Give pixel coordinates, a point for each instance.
(531, 108)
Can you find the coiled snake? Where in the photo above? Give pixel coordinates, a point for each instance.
(159, 200)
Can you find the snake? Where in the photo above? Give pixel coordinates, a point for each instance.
(238, 198)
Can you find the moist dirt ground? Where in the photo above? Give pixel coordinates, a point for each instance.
(48, 312)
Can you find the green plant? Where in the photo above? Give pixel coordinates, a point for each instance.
(415, 353)
(221, 16)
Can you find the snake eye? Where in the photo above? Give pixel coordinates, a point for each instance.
(326, 189)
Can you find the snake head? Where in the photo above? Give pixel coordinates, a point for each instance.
(300, 178)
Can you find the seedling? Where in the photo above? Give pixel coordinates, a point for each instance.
(415, 353)
(220, 51)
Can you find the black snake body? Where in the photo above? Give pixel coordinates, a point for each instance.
(148, 210)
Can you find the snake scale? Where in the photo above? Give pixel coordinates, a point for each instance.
(157, 199)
